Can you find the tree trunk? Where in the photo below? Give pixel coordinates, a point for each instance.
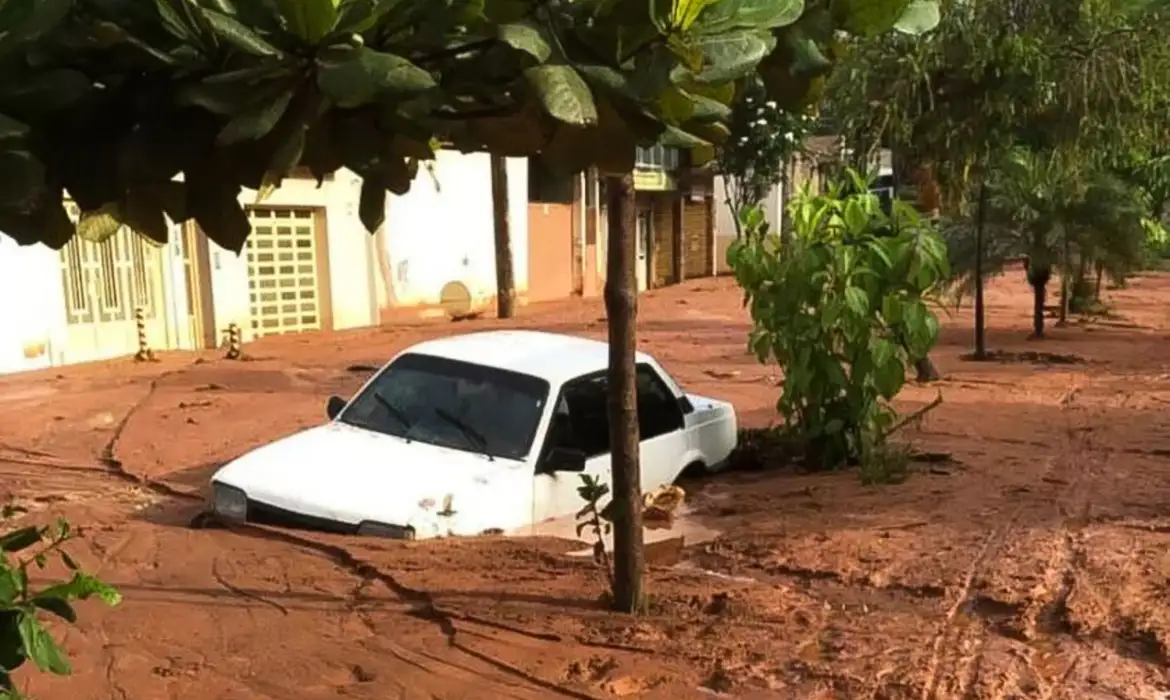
(621, 307)
(505, 278)
(980, 311)
(1097, 285)
(785, 222)
(1038, 294)
(1065, 284)
(925, 370)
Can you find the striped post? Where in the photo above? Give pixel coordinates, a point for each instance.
(144, 354)
(233, 343)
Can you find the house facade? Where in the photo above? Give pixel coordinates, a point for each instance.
(807, 170)
(310, 265)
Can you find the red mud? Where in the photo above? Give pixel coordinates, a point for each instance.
(1033, 564)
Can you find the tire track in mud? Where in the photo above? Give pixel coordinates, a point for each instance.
(1045, 616)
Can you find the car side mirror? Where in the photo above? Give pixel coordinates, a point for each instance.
(334, 406)
(564, 459)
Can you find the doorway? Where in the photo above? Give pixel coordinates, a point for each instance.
(644, 232)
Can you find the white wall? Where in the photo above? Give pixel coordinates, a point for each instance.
(442, 234)
(32, 305)
(725, 217)
(351, 280)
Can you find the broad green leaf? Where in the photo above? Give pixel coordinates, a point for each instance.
(257, 121)
(145, 215)
(857, 301)
(47, 92)
(563, 93)
(82, 587)
(920, 17)
(366, 75)
(99, 224)
(22, 180)
(10, 129)
(10, 586)
(372, 204)
(356, 16)
(676, 106)
(527, 36)
(732, 56)
(684, 13)
(283, 161)
(21, 539)
(867, 17)
(58, 606)
(309, 20)
(239, 36)
(27, 21)
(727, 15)
(40, 647)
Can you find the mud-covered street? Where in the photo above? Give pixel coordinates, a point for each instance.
(1030, 560)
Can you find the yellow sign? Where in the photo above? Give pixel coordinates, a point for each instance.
(653, 181)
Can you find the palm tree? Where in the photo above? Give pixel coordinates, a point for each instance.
(1055, 215)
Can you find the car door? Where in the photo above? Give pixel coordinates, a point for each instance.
(580, 421)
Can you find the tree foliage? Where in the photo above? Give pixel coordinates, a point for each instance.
(843, 311)
(23, 636)
(111, 101)
(764, 137)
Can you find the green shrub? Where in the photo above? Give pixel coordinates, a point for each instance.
(843, 311)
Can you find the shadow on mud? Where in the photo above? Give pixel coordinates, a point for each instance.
(1030, 357)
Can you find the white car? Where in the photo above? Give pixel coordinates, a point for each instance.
(474, 434)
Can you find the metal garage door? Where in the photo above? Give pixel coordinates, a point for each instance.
(284, 270)
(104, 283)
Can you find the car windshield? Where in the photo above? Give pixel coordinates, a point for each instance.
(453, 404)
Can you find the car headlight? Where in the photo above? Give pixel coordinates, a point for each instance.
(230, 502)
(370, 528)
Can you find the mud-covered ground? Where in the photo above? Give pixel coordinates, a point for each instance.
(1033, 563)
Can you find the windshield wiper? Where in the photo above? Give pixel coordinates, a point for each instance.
(473, 436)
(394, 411)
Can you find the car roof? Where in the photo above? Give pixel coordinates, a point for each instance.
(555, 357)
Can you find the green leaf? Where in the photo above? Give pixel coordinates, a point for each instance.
(857, 301)
(82, 587)
(11, 130)
(732, 56)
(365, 75)
(40, 647)
(372, 205)
(144, 214)
(867, 17)
(356, 16)
(563, 93)
(10, 586)
(239, 36)
(25, 22)
(57, 606)
(22, 180)
(257, 121)
(749, 14)
(284, 160)
(527, 36)
(97, 225)
(309, 20)
(920, 17)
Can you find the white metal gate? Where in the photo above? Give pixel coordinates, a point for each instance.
(284, 267)
(104, 283)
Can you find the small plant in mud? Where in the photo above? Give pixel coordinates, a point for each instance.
(23, 636)
(843, 309)
(595, 518)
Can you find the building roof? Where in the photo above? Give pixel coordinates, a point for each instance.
(555, 357)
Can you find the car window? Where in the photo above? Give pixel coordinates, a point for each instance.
(581, 421)
(454, 404)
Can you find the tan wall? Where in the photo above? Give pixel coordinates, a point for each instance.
(722, 243)
(697, 233)
(550, 251)
(663, 264)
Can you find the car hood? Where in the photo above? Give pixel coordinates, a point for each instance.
(350, 475)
